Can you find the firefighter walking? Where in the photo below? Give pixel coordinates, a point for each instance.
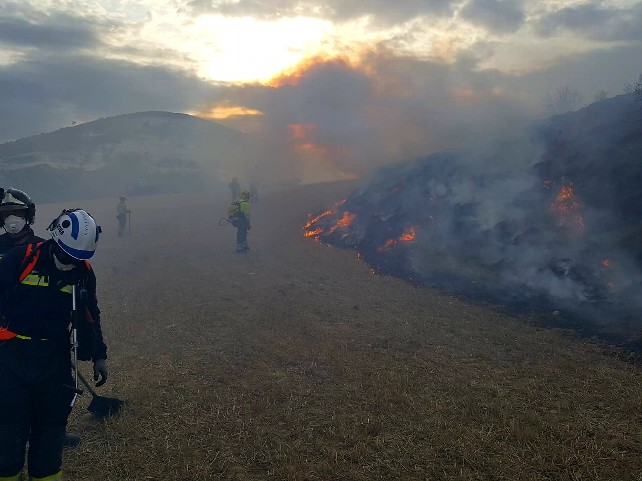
(239, 215)
(40, 284)
(122, 213)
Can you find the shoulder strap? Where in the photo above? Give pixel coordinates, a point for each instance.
(29, 261)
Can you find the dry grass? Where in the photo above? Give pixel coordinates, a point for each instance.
(296, 363)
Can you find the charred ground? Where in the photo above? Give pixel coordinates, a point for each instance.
(296, 362)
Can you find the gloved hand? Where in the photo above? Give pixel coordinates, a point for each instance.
(100, 371)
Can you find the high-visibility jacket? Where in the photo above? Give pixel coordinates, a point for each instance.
(36, 299)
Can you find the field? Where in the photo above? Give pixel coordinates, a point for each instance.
(295, 362)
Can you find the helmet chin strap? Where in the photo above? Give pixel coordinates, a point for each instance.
(60, 266)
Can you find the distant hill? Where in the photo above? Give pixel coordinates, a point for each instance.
(139, 153)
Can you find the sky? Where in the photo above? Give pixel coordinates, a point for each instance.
(340, 87)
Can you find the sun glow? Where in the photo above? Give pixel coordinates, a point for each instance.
(244, 49)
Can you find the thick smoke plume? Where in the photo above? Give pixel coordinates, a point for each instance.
(555, 227)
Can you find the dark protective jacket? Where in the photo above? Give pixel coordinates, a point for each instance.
(40, 305)
(8, 242)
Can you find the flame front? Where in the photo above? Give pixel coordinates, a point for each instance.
(316, 232)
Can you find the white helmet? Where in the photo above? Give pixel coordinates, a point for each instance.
(76, 233)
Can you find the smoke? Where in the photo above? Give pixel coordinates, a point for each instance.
(547, 218)
(345, 117)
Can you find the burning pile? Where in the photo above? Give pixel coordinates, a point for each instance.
(535, 237)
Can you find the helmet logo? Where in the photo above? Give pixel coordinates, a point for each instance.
(75, 224)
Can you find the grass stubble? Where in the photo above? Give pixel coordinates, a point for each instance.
(295, 362)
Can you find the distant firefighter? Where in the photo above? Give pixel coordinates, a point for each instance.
(235, 187)
(123, 212)
(239, 215)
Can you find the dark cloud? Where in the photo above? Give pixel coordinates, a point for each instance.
(380, 11)
(63, 32)
(595, 22)
(499, 16)
(48, 92)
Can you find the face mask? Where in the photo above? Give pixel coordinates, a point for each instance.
(14, 224)
(62, 267)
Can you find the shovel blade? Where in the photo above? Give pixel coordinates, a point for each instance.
(102, 407)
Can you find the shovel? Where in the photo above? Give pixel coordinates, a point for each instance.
(100, 406)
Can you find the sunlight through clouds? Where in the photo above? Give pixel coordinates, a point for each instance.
(244, 49)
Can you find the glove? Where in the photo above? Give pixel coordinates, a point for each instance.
(100, 371)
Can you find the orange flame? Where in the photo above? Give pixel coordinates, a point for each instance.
(344, 222)
(316, 219)
(408, 235)
(567, 209)
(315, 232)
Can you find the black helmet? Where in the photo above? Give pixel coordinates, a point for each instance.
(15, 199)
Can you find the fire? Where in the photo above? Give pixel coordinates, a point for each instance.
(316, 219)
(408, 235)
(606, 263)
(567, 209)
(313, 233)
(344, 222)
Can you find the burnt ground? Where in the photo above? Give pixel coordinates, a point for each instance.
(296, 362)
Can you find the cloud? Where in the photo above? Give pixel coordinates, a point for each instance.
(595, 22)
(63, 31)
(498, 16)
(43, 93)
(381, 11)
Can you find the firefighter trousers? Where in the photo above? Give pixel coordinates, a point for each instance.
(35, 397)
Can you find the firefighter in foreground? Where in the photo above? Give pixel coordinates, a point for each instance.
(17, 215)
(239, 215)
(40, 284)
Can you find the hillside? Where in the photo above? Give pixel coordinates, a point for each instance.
(147, 152)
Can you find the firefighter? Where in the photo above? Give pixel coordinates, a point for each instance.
(239, 214)
(38, 283)
(122, 210)
(17, 215)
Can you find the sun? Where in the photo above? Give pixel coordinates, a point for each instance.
(246, 49)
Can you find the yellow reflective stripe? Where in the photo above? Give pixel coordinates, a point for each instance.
(53, 477)
(20, 336)
(35, 280)
(43, 281)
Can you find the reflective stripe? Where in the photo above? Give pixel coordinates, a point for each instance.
(35, 280)
(43, 281)
(53, 477)
(27, 338)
